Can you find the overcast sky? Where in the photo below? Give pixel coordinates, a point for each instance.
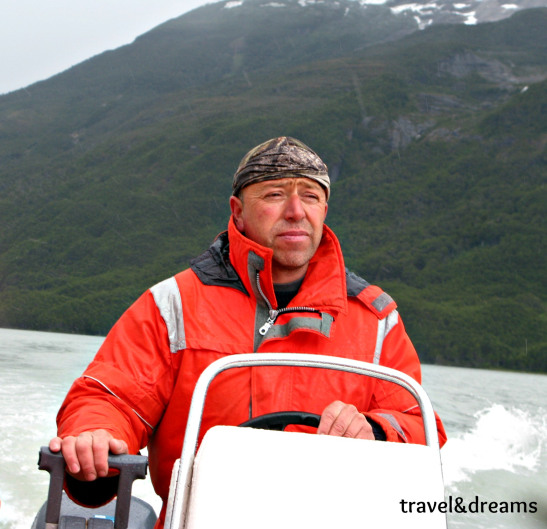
(39, 38)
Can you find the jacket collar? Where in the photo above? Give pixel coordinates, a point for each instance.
(324, 286)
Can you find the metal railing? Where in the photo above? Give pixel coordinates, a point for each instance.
(181, 482)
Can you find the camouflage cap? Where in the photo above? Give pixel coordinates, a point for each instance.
(282, 157)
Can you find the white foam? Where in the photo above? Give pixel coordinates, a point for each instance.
(501, 439)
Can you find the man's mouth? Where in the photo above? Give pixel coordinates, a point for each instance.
(294, 235)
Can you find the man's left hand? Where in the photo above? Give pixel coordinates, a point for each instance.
(344, 420)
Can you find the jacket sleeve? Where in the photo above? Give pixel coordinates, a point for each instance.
(126, 387)
(393, 407)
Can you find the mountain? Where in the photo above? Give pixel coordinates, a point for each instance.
(115, 173)
(465, 12)
(424, 12)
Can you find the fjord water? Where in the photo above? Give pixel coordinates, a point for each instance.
(496, 423)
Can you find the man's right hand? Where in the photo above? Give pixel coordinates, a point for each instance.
(86, 455)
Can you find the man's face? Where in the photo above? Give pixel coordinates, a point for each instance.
(285, 215)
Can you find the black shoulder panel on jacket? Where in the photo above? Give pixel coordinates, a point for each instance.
(355, 284)
(213, 266)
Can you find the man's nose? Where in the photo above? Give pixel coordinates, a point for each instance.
(294, 208)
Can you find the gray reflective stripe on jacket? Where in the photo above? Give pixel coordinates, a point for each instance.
(382, 301)
(393, 421)
(384, 327)
(167, 297)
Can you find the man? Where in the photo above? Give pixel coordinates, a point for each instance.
(274, 281)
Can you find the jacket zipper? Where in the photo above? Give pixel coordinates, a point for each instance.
(274, 313)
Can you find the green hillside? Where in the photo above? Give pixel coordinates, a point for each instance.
(114, 174)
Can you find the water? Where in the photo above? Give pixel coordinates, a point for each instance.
(496, 423)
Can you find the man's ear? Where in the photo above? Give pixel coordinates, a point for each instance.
(236, 205)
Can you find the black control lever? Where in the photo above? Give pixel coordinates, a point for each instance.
(130, 467)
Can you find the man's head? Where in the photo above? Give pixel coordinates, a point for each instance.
(280, 201)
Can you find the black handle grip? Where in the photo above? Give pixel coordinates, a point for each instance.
(131, 467)
(281, 419)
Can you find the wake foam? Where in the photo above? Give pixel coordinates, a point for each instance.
(501, 439)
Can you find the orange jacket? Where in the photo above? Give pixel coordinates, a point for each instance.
(139, 385)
